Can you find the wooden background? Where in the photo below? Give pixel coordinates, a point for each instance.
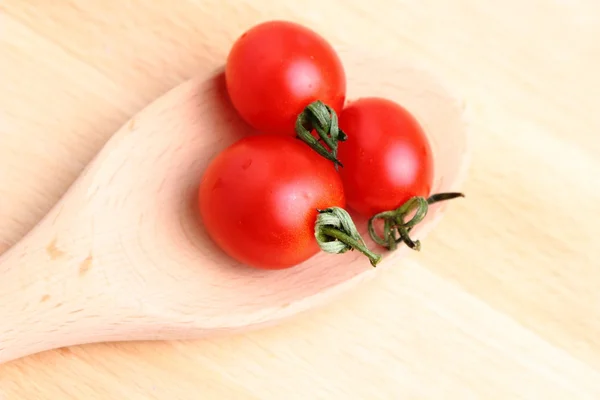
(503, 302)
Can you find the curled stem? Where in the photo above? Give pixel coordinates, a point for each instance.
(336, 233)
(320, 117)
(396, 230)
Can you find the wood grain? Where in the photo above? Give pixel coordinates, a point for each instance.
(505, 302)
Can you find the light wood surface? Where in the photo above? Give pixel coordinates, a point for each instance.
(503, 302)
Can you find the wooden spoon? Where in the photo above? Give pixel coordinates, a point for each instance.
(122, 256)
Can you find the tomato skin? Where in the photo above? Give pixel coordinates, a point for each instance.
(276, 69)
(387, 158)
(259, 198)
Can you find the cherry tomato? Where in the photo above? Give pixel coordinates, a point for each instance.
(259, 200)
(276, 69)
(387, 157)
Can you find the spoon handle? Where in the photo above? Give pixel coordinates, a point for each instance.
(49, 295)
(36, 307)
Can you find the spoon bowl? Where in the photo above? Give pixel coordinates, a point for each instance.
(123, 255)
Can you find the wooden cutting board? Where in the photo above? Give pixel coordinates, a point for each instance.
(502, 303)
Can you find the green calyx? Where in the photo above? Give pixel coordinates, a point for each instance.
(336, 233)
(320, 117)
(396, 229)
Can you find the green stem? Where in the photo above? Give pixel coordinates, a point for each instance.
(351, 243)
(320, 117)
(396, 230)
(336, 233)
(434, 198)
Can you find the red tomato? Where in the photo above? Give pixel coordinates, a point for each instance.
(387, 158)
(259, 199)
(276, 69)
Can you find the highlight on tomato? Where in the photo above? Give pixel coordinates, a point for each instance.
(388, 168)
(276, 69)
(271, 202)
